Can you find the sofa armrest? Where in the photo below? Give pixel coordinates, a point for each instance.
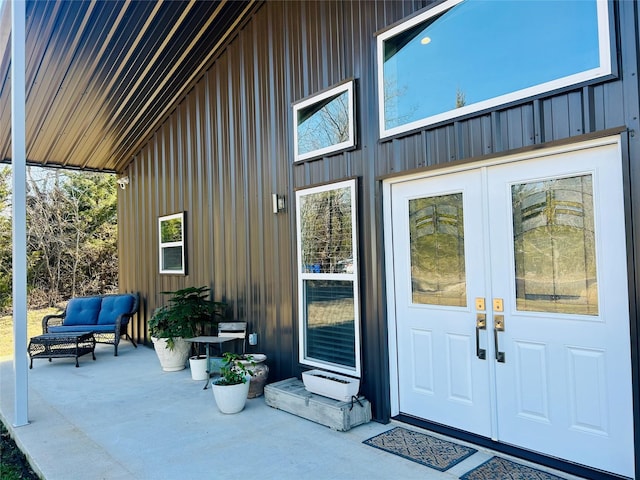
(55, 319)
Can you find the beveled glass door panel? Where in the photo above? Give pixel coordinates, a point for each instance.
(436, 227)
(554, 245)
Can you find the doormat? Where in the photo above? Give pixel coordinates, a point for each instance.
(497, 467)
(418, 447)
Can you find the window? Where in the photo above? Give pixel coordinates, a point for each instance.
(465, 56)
(171, 235)
(328, 277)
(555, 246)
(324, 123)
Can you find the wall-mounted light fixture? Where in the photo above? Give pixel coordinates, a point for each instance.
(123, 181)
(278, 203)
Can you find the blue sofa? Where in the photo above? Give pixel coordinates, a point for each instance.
(106, 316)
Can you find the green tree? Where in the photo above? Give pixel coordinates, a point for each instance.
(72, 235)
(5, 238)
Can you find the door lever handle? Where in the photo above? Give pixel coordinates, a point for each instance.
(481, 324)
(498, 326)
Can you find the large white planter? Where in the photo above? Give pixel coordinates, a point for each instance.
(332, 385)
(198, 366)
(172, 360)
(230, 398)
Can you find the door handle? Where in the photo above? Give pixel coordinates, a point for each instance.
(498, 326)
(481, 324)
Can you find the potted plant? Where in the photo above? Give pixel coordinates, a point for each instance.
(187, 311)
(231, 389)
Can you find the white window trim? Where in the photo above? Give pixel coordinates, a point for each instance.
(587, 75)
(164, 245)
(353, 277)
(350, 142)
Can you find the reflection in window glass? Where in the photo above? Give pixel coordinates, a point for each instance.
(436, 229)
(484, 49)
(326, 230)
(171, 230)
(324, 123)
(330, 317)
(554, 244)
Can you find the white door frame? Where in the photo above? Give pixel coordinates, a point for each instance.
(388, 234)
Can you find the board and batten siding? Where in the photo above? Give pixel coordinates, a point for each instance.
(227, 146)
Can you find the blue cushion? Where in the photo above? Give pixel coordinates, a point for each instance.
(113, 306)
(81, 328)
(83, 311)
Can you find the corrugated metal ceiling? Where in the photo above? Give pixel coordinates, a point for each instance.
(102, 75)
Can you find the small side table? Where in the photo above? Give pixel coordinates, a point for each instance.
(62, 345)
(209, 340)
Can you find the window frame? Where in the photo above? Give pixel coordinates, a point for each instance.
(606, 55)
(353, 277)
(163, 245)
(348, 87)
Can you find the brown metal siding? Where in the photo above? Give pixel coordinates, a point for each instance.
(227, 147)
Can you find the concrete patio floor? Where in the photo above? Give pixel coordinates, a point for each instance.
(124, 418)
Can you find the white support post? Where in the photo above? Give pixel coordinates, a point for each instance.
(19, 174)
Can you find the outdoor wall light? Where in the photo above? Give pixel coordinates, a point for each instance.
(278, 203)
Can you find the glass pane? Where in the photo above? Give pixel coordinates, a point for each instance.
(506, 47)
(172, 258)
(326, 231)
(436, 229)
(171, 230)
(330, 325)
(323, 124)
(554, 243)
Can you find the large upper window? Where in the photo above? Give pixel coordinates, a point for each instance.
(328, 277)
(324, 123)
(464, 56)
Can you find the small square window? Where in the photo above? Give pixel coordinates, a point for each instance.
(171, 244)
(324, 123)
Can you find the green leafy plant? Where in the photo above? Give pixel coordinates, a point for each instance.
(235, 371)
(187, 312)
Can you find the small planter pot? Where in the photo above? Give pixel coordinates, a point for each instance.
(332, 385)
(230, 398)
(172, 360)
(198, 365)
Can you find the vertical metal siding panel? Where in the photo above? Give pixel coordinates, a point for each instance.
(576, 113)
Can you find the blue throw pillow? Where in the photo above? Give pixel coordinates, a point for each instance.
(113, 306)
(83, 311)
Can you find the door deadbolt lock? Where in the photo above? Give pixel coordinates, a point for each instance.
(498, 305)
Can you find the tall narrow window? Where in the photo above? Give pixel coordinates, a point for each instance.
(465, 56)
(324, 123)
(171, 250)
(328, 277)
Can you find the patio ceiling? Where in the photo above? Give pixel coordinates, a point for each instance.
(102, 75)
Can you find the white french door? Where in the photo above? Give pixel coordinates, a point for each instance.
(510, 308)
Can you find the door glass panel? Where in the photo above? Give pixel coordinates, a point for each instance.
(436, 230)
(554, 245)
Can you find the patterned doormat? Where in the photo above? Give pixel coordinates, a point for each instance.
(418, 447)
(497, 467)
